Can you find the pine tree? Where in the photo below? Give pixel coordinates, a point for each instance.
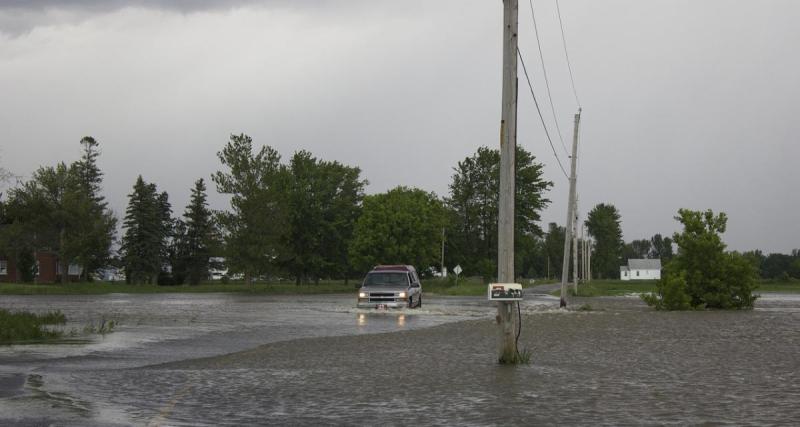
(100, 224)
(148, 226)
(196, 233)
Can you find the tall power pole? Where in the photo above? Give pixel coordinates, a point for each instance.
(588, 258)
(575, 266)
(444, 271)
(584, 254)
(508, 144)
(571, 208)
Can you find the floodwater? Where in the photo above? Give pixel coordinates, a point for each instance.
(218, 359)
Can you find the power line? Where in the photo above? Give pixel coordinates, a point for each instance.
(546, 81)
(564, 40)
(524, 69)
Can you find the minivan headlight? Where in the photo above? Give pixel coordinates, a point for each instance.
(362, 294)
(401, 295)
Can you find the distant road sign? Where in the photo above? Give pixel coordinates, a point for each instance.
(457, 270)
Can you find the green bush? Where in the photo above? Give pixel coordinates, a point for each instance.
(703, 274)
(670, 294)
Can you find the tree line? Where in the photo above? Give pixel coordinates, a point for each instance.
(610, 251)
(60, 209)
(306, 218)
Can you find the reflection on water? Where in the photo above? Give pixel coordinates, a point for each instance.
(619, 364)
(364, 318)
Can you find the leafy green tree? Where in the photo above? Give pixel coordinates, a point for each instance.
(15, 238)
(401, 226)
(756, 258)
(794, 269)
(702, 273)
(195, 239)
(56, 213)
(324, 202)
(777, 266)
(661, 248)
(637, 249)
(344, 210)
(603, 223)
(255, 228)
(148, 229)
(473, 206)
(61, 209)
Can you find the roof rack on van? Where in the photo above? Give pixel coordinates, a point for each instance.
(397, 267)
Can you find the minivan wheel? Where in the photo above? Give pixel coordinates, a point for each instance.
(419, 301)
(410, 302)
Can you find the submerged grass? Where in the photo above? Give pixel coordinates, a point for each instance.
(102, 327)
(99, 288)
(786, 286)
(598, 288)
(463, 287)
(519, 358)
(23, 326)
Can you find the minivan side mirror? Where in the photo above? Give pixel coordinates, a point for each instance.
(415, 285)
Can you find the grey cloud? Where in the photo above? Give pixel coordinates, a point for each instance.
(20, 16)
(106, 5)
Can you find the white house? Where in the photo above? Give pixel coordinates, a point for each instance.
(641, 269)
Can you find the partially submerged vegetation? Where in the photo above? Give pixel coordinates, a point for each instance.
(610, 288)
(519, 358)
(23, 326)
(598, 288)
(450, 286)
(99, 288)
(471, 286)
(703, 274)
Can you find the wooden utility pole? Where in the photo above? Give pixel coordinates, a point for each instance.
(570, 212)
(548, 267)
(583, 253)
(508, 144)
(589, 261)
(444, 272)
(575, 266)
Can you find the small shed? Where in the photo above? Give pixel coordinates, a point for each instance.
(641, 269)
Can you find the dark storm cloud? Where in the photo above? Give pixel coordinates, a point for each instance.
(106, 5)
(20, 16)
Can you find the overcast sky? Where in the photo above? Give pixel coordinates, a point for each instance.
(686, 103)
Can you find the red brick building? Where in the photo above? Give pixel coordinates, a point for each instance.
(47, 265)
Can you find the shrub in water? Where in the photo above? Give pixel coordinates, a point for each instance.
(703, 274)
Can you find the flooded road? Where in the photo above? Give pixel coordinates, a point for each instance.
(232, 360)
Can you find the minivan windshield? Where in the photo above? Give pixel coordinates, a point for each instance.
(385, 278)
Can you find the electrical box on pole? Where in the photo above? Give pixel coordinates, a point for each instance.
(505, 292)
